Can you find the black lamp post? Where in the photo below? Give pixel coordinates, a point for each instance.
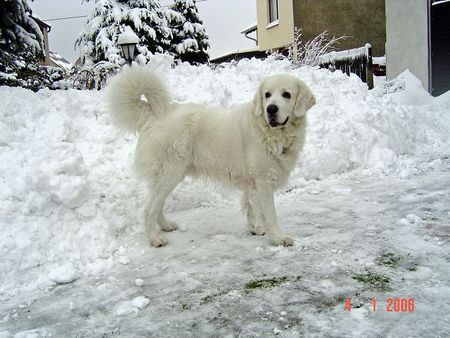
(127, 42)
(128, 51)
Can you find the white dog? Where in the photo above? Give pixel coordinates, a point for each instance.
(252, 147)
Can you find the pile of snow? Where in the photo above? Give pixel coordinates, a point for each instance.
(349, 128)
(127, 307)
(408, 90)
(70, 204)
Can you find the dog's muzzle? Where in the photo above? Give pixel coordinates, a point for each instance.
(275, 124)
(272, 111)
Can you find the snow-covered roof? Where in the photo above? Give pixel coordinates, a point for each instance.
(250, 28)
(238, 51)
(41, 22)
(439, 2)
(59, 61)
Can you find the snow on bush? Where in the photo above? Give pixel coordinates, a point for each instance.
(70, 202)
(190, 41)
(18, 31)
(147, 18)
(21, 48)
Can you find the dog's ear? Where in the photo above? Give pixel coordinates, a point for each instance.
(257, 102)
(304, 101)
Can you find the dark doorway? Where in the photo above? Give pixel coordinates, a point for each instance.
(440, 46)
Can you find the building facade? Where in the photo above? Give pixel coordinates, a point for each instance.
(275, 23)
(418, 39)
(361, 21)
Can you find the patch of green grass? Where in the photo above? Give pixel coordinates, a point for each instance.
(293, 322)
(389, 259)
(249, 287)
(412, 267)
(186, 306)
(265, 283)
(220, 320)
(209, 298)
(373, 280)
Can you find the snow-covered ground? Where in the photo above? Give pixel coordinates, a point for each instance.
(368, 206)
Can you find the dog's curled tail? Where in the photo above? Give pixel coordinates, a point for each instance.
(135, 96)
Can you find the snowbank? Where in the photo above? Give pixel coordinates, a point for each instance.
(408, 90)
(70, 204)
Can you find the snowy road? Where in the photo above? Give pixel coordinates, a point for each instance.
(357, 237)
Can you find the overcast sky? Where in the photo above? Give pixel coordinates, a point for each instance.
(223, 21)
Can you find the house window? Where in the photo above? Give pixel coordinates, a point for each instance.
(273, 10)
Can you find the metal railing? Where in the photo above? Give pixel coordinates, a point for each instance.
(93, 77)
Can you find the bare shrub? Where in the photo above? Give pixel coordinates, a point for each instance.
(92, 76)
(308, 53)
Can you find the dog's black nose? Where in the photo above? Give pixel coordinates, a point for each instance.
(272, 109)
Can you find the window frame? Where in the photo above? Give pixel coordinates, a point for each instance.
(273, 16)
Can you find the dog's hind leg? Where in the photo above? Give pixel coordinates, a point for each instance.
(159, 191)
(254, 214)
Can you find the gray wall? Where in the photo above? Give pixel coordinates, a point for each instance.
(407, 38)
(361, 20)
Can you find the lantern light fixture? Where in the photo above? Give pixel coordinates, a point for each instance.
(127, 42)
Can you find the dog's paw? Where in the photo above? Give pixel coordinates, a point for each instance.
(282, 240)
(257, 230)
(158, 241)
(169, 226)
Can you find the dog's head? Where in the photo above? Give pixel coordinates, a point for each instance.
(281, 98)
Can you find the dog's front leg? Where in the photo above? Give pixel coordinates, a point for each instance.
(254, 214)
(264, 192)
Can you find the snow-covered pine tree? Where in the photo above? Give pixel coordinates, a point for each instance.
(21, 47)
(19, 33)
(98, 39)
(190, 41)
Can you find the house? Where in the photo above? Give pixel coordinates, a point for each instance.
(45, 29)
(361, 21)
(51, 58)
(413, 34)
(417, 33)
(239, 54)
(243, 53)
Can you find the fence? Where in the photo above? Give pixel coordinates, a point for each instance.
(93, 77)
(357, 61)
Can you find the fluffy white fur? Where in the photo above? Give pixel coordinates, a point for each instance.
(245, 146)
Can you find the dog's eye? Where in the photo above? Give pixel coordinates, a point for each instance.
(268, 95)
(286, 95)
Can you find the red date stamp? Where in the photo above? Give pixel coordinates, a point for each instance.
(392, 305)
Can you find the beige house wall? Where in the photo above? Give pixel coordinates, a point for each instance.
(272, 36)
(46, 47)
(45, 28)
(362, 21)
